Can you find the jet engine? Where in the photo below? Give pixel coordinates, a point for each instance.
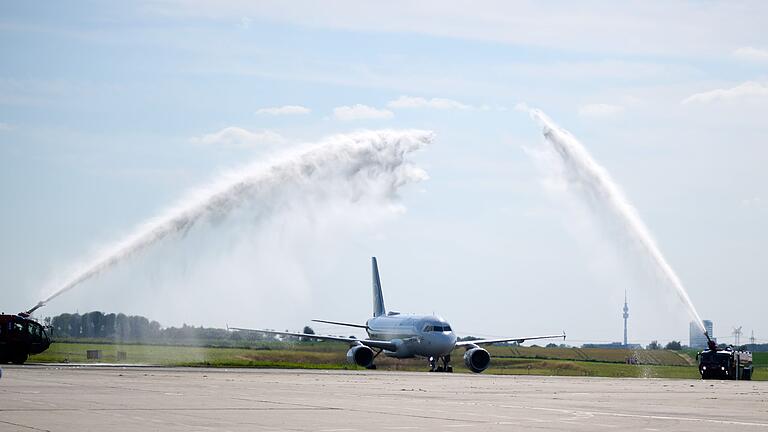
(477, 359)
(360, 355)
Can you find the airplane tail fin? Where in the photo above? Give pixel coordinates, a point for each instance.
(378, 297)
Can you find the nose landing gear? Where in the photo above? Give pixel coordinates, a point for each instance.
(444, 367)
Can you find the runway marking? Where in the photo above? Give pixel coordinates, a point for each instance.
(642, 416)
(293, 405)
(349, 409)
(24, 426)
(590, 423)
(535, 420)
(163, 409)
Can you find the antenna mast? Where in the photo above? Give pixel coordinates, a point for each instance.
(737, 336)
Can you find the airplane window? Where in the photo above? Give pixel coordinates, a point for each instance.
(438, 328)
(447, 328)
(428, 328)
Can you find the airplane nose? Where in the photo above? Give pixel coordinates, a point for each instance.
(449, 340)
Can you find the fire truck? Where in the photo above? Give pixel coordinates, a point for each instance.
(724, 364)
(21, 336)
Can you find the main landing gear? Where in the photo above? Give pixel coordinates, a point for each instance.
(373, 366)
(444, 367)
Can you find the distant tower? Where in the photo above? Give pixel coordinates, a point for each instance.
(626, 315)
(752, 339)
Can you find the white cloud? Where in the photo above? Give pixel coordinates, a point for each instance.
(5, 127)
(751, 54)
(360, 112)
(749, 88)
(646, 27)
(522, 107)
(284, 110)
(754, 202)
(600, 110)
(578, 69)
(434, 103)
(239, 138)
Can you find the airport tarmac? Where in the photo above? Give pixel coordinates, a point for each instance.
(68, 398)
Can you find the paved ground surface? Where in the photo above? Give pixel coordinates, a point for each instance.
(139, 399)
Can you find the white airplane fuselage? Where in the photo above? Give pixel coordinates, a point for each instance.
(414, 335)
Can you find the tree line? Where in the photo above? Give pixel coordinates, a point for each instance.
(100, 325)
(136, 328)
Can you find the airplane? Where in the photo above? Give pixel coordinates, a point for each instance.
(407, 336)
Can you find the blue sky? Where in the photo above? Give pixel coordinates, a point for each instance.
(111, 112)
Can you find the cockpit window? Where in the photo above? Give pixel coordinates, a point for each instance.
(437, 328)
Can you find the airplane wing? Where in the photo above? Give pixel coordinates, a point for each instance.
(385, 345)
(500, 340)
(341, 323)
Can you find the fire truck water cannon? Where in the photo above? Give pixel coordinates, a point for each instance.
(36, 307)
(712, 345)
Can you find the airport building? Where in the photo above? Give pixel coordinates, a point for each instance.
(697, 338)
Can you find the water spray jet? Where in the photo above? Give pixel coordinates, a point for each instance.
(582, 169)
(368, 164)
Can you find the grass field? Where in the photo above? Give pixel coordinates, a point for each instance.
(760, 359)
(325, 355)
(310, 355)
(644, 357)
